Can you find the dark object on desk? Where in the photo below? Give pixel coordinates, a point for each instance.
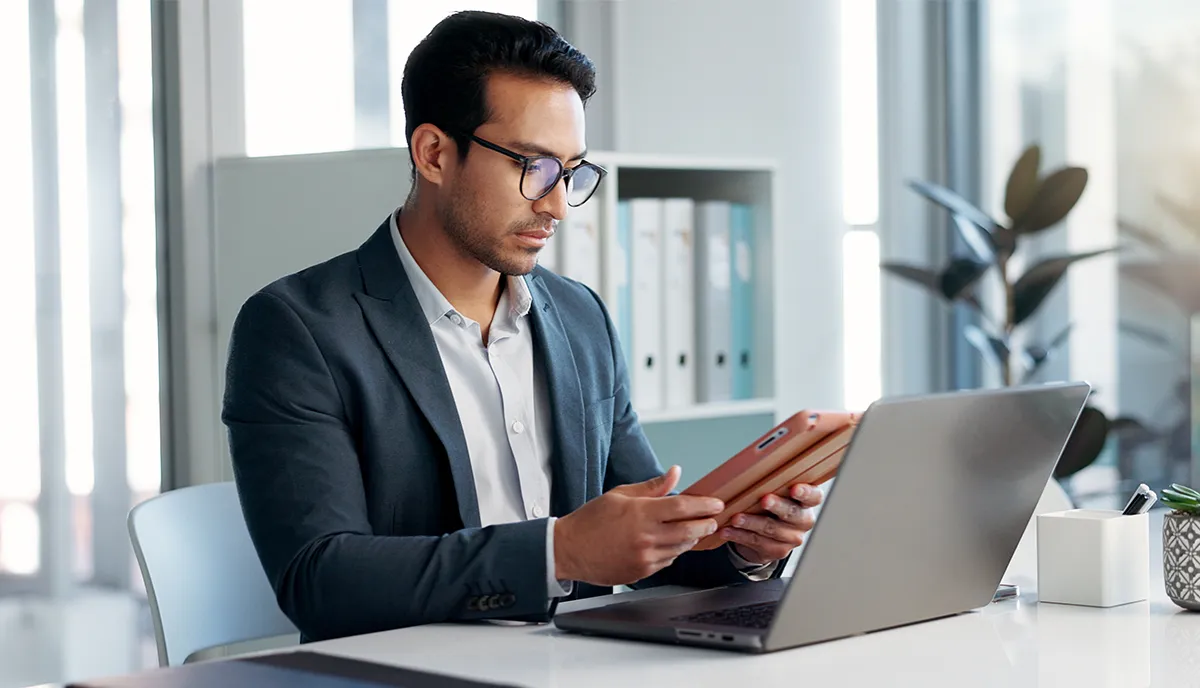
(299, 669)
(1140, 502)
(1006, 591)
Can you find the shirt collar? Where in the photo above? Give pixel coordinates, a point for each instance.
(434, 304)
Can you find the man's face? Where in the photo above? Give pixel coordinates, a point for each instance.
(482, 208)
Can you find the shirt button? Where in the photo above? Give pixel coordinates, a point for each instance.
(456, 319)
(518, 427)
(537, 511)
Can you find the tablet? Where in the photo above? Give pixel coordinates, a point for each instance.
(806, 448)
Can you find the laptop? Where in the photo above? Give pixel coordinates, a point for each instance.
(929, 505)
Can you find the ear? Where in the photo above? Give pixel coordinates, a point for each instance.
(432, 150)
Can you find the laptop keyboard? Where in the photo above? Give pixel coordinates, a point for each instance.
(747, 616)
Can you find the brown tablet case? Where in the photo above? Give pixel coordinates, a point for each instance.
(806, 448)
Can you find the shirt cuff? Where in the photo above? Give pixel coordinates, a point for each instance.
(748, 569)
(554, 587)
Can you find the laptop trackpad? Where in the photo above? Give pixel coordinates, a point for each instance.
(662, 610)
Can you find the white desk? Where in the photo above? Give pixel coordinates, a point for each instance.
(1013, 643)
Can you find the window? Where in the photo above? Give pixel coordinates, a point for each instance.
(1111, 87)
(328, 78)
(861, 289)
(81, 388)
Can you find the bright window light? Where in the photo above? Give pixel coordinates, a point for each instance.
(74, 246)
(20, 539)
(862, 351)
(299, 76)
(143, 451)
(860, 136)
(20, 462)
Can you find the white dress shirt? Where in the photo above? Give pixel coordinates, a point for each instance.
(503, 407)
(501, 400)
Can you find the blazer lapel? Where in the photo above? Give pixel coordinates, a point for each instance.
(394, 315)
(569, 480)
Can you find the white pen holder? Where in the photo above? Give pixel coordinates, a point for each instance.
(1093, 557)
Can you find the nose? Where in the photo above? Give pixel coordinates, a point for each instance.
(553, 203)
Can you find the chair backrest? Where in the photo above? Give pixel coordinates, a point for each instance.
(204, 581)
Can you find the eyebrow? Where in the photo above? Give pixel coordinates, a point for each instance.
(539, 150)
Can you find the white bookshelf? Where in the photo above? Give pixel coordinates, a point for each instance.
(711, 410)
(739, 180)
(280, 214)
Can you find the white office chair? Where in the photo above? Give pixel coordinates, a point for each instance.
(205, 584)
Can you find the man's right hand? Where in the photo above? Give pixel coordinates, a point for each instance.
(631, 532)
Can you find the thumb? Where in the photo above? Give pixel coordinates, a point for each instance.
(659, 486)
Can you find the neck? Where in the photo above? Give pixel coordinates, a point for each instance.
(470, 286)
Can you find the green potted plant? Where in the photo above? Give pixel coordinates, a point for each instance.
(1181, 545)
(1033, 203)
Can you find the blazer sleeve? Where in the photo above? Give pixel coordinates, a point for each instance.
(301, 489)
(632, 460)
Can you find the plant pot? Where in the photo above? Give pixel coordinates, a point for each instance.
(1181, 558)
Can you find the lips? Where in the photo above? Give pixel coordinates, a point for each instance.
(537, 234)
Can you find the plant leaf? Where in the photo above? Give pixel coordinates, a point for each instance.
(1179, 507)
(1128, 424)
(1038, 281)
(1144, 235)
(955, 203)
(1023, 184)
(993, 348)
(1179, 497)
(960, 275)
(1133, 432)
(1145, 334)
(1188, 217)
(923, 276)
(976, 238)
(1035, 356)
(1005, 240)
(1056, 196)
(1174, 278)
(1185, 490)
(1085, 444)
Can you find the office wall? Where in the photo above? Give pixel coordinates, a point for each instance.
(755, 79)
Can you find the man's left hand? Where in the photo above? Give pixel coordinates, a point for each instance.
(771, 536)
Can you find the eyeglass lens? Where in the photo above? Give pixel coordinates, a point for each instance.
(543, 173)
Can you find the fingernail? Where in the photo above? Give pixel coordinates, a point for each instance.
(712, 528)
(771, 501)
(739, 520)
(716, 505)
(727, 534)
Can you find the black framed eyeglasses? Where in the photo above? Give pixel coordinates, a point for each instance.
(540, 174)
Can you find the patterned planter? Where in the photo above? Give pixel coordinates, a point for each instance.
(1181, 558)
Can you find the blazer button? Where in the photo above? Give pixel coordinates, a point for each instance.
(493, 602)
(508, 600)
(472, 604)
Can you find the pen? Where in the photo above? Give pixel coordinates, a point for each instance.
(1140, 502)
(1149, 502)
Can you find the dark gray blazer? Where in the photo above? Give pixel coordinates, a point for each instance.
(353, 471)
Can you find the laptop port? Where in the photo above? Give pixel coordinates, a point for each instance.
(727, 638)
(690, 634)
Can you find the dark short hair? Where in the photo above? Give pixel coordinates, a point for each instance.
(445, 77)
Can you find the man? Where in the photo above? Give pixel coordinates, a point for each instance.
(432, 428)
